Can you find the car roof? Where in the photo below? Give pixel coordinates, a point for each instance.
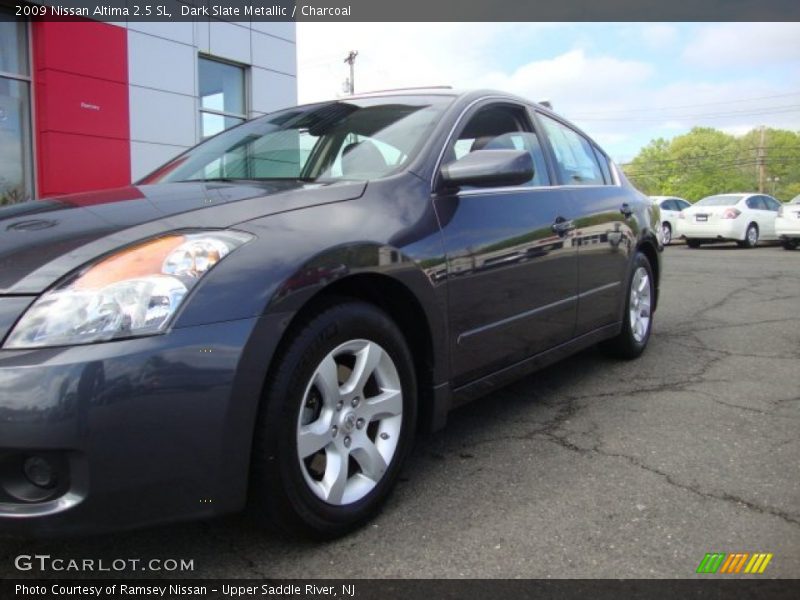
(441, 90)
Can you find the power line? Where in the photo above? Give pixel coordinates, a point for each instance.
(729, 115)
(729, 165)
(734, 154)
(678, 106)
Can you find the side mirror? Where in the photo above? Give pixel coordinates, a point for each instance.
(489, 168)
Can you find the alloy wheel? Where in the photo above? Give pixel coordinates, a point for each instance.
(349, 424)
(639, 307)
(666, 234)
(752, 235)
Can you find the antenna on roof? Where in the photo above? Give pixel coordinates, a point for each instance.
(546, 104)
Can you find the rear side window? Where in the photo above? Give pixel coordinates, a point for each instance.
(604, 165)
(682, 204)
(772, 204)
(575, 159)
(668, 205)
(753, 203)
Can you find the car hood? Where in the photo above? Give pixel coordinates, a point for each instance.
(43, 240)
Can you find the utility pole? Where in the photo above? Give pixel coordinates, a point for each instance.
(351, 60)
(761, 161)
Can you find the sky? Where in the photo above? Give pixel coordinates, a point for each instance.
(624, 84)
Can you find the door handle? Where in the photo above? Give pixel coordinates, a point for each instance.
(562, 226)
(626, 210)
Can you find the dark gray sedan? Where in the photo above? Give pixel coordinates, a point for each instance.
(269, 317)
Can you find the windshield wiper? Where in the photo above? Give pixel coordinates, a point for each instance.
(238, 179)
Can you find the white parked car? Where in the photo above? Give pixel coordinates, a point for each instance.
(670, 206)
(743, 218)
(787, 224)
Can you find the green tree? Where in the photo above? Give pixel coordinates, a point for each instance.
(707, 161)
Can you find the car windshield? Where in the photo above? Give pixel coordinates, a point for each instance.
(361, 139)
(722, 200)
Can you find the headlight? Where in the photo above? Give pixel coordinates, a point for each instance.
(134, 291)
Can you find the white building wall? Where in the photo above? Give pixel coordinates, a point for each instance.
(162, 72)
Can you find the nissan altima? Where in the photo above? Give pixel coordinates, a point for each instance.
(267, 319)
(670, 209)
(744, 218)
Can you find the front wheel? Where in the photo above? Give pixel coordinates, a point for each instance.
(790, 244)
(336, 424)
(693, 243)
(638, 318)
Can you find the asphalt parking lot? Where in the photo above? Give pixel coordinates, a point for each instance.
(593, 468)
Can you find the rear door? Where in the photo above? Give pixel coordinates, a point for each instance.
(772, 207)
(603, 234)
(759, 213)
(512, 263)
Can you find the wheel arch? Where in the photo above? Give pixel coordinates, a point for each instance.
(649, 248)
(401, 289)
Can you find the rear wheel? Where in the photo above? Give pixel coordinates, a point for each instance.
(336, 423)
(666, 234)
(693, 243)
(790, 244)
(638, 317)
(750, 237)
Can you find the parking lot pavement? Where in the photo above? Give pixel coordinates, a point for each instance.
(593, 468)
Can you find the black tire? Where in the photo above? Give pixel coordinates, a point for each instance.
(693, 243)
(790, 244)
(280, 496)
(666, 234)
(625, 345)
(750, 239)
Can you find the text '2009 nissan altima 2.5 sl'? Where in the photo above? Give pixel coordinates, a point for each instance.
(270, 316)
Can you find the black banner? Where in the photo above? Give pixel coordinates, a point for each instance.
(407, 589)
(410, 10)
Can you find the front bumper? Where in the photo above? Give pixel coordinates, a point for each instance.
(142, 431)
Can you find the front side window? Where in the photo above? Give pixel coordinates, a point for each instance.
(575, 159)
(16, 156)
(222, 96)
(357, 139)
(500, 127)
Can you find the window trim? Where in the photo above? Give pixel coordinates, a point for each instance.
(32, 112)
(468, 112)
(246, 88)
(598, 155)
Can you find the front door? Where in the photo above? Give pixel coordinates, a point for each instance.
(512, 275)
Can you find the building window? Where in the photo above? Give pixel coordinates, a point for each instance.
(222, 96)
(16, 149)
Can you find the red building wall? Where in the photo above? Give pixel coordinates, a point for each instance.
(82, 117)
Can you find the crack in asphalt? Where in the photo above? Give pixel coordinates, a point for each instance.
(572, 404)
